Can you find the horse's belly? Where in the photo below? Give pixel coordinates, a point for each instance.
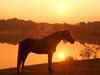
(39, 50)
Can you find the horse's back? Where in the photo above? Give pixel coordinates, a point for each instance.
(34, 45)
(27, 42)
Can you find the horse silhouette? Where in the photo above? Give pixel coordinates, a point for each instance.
(46, 45)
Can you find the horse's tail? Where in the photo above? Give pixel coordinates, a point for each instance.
(19, 58)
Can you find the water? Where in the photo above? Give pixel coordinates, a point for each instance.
(8, 56)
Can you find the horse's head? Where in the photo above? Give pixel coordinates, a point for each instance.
(67, 37)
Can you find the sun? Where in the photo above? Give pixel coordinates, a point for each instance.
(61, 56)
(62, 7)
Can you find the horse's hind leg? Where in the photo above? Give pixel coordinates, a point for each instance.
(19, 62)
(22, 54)
(23, 60)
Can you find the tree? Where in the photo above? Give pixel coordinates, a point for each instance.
(86, 52)
(96, 49)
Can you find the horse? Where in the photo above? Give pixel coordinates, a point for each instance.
(46, 45)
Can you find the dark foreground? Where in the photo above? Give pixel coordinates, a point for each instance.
(83, 67)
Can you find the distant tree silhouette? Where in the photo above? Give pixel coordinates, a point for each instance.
(82, 23)
(86, 52)
(19, 29)
(96, 49)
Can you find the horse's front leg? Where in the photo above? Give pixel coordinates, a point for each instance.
(50, 62)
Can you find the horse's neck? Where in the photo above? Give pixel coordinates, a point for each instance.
(58, 39)
(54, 39)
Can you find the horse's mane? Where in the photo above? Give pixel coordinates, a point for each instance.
(53, 34)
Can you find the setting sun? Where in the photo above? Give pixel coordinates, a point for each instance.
(61, 56)
(62, 7)
(61, 52)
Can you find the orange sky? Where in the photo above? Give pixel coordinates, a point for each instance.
(70, 11)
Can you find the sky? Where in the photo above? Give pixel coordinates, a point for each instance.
(52, 11)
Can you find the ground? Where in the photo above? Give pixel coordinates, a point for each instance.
(76, 67)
